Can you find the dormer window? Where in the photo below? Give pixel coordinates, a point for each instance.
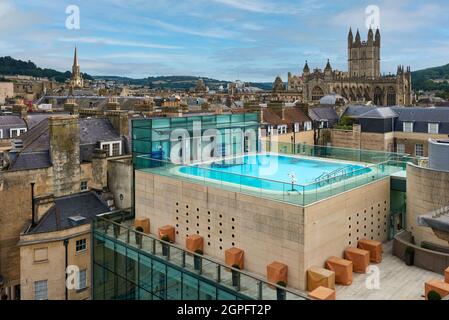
(113, 148)
(14, 133)
(408, 126)
(433, 128)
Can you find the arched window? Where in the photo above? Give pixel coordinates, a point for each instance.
(317, 93)
(378, 97)
(391, 96)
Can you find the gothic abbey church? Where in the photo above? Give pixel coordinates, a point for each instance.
(363, 81)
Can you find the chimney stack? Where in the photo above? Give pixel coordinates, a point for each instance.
(119, 120)
(65, 154)
(113, 104)
(71, 106)
(20, 108)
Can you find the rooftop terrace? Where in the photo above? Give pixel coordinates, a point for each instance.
(364, 167)
(397, 281)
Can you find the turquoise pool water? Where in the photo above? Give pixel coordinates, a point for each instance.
(273, 172)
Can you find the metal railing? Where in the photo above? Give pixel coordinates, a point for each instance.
(252, 285)
(290, 192)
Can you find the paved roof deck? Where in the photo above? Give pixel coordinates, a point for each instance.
(397, 281)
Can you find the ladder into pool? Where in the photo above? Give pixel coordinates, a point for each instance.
(333, 174)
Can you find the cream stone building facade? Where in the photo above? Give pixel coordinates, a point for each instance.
(362, 82)
(267, 230)
(62, 156)
(6, 91)
(392, 129)
(427, 191)
(40, 253)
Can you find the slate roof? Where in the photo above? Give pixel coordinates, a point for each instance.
(32, 160)
(421, 114)
(93, 130)
(331, 99)
(10, 122)
(37, 139)
(323, 113)
(33, 119)
(87, 205)
(36, 142)
(86, 102)
(357, 110)
(379, 113)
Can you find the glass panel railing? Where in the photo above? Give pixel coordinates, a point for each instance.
(163, 277)
(328, 185)
(347, 154)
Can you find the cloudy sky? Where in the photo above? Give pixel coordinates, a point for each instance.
(251, 40)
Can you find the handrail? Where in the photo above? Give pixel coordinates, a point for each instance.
(299, 294)
(258, 178)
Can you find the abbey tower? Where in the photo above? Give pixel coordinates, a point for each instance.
(361, 83)
(364, 56)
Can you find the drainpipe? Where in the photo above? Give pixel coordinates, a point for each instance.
(66, 245)
(33, 209)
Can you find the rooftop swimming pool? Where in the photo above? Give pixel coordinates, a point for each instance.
(276, 173)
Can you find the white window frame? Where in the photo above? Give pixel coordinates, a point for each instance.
(402, 148)
(416, 150)
(405, 128)
(41, 288)
(19, 131)
(282, 129)
(307, 126)
(296, 127)
(436, 125)
(87, 186)
(1, 133)
(82, 286)
(111, 143)
(324, 124)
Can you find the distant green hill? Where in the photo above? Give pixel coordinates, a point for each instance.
(176, 82)
(422, 79)
(11, 66)
(167, 82)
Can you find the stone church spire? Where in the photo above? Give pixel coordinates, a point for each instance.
(377, 38)
(75, 57)
(358, 40)
(77, 79)
(370, 36)
(306, 69)
(350, 38)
